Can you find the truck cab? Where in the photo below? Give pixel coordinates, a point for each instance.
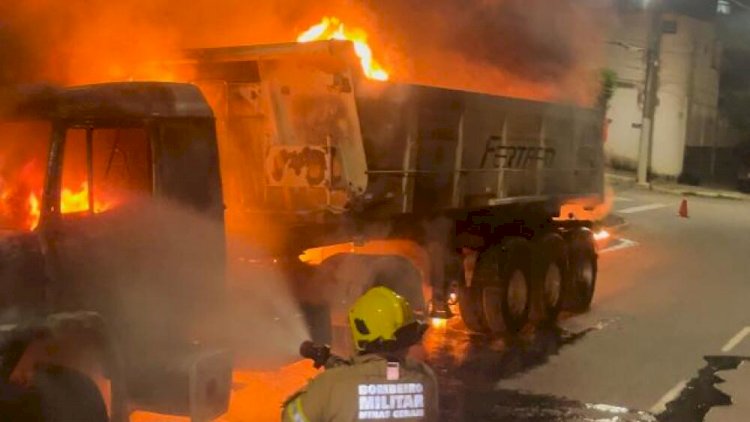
(112, 249)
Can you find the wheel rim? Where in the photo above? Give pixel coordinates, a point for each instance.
(586, 274)
(552, 285)
(517, 293)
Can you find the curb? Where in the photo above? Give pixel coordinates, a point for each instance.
(681, 190)
(688, 191)
(619, 178)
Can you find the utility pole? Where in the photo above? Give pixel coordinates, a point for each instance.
(653, 55)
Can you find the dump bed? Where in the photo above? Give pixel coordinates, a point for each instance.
(431, 148)
(304, 136)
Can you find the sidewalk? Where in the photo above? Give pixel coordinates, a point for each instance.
(619, 178)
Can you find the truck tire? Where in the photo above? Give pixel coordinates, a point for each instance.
(86, 354)
(470, 301)
(470, 295)
(504, 271)
(67, 395)
(582, 268)
(550, 278)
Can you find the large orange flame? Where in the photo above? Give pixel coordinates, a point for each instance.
(588, 211)
(34, 212)
(71, 201)
(331, 28)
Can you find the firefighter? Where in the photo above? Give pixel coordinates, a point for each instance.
(380, 383)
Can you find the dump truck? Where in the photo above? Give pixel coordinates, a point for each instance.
(104, 306)
(441, 194)
(119, 204)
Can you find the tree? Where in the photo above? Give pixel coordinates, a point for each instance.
(607, 88)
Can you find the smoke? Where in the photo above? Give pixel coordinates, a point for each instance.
(267, 324)
(101, 40)
(528, 48)
(532, 48)
(539, 39)
(158, 273)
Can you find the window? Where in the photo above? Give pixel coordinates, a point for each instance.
(119, 169)
(23, 158)
(724, 7)
(122, 165)
(669, 27)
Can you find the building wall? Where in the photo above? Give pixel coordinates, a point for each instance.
(624, 118)
(670, 121)
(686, 113)
(626, 55)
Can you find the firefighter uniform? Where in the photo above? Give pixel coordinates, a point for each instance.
(380, 383)
(364, 391)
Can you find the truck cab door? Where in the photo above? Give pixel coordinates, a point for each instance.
(102, 173)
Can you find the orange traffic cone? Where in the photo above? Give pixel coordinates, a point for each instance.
(683, 209)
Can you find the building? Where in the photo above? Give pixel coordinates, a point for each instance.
(687, 136)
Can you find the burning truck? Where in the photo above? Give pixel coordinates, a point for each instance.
(118, 201)
(349, 181)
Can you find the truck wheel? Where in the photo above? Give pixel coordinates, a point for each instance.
(68, 395)
(582, 266)
(470, 295)
(505, 280)
(550, 278)
(470, 308)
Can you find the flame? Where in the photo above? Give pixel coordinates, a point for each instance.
(34, 211)
(71, 201)
(588, 211)
(602, 235)
(439, 323)
(331, 28)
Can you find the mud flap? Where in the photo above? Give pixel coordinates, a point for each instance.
(210, 385)
(196, 384)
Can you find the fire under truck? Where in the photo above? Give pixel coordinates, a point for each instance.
(103, 303)
(440, 194)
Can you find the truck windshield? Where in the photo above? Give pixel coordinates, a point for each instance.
(23, 154)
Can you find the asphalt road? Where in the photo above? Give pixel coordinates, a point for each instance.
(670, 292)
(669, 315)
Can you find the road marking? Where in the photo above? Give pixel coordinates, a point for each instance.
(607, 408)
(737, 339)
(641, 208)
(661, 405)
(621, 244)
(623, 199)
(672, 394)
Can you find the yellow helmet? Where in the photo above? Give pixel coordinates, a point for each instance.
(381, 320)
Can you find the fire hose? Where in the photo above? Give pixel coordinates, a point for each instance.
(321, 355)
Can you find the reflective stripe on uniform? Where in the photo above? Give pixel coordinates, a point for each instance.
(294, 411)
